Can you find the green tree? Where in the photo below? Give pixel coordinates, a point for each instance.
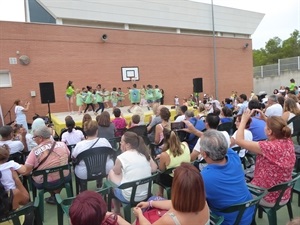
(276, 49)
(291, 46)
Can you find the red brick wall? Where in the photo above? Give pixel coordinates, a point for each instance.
(62, 53)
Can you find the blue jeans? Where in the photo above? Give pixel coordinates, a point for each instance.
(118, 194)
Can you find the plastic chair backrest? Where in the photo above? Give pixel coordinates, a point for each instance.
(241, 207)
(237, 149)
(168, 171)
(225, 127)
(45, 173)
(18, 157)
(24, 210)
(115, 143)
(134, 184)
(71, 147)
(281, 188)
(61, 133)
(296, 125)
(95, 161)
(140, 130)
(67, 202)
(216, 220)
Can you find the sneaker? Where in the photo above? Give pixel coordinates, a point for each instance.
(51, 200)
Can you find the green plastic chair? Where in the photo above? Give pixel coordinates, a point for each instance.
(65, 204)
(141, 130)
(242, 207)
(226, 127)
(133, 184)
(216, 220)
(296, 127)
(115, 143)
(48, 186)
(157, 181)
(95, 162)
(296, 189)
(24, 210)
(271, 211)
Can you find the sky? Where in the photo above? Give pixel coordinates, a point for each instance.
(281, 18)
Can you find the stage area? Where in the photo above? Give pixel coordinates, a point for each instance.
(58, 119)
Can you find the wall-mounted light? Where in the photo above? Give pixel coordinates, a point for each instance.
(104, 37)
(246, 45)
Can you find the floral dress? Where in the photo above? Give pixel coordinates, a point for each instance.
(274, 165)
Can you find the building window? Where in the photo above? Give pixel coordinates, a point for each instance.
(5, 79)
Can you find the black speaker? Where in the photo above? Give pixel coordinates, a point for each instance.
(47, 92)
(197, 85)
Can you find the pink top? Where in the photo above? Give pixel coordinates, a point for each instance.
(58, 157)
(274, 165)
(120, 123)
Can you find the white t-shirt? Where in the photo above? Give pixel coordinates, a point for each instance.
(247, 136)
(30, 142)
(180, 118)
(274, 110)
(7, 178)
(72, 138)
(134, 166)
(197, 146)
(80, 169)
(14, 146)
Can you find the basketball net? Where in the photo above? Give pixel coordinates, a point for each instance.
(133, 79)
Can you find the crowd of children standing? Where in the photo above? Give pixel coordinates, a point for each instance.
(100, 98)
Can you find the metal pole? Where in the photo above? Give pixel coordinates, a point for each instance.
(215, 54)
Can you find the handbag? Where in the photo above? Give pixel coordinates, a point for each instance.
(112, 219)
(152, 215)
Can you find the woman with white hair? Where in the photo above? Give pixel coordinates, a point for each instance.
(36, 124)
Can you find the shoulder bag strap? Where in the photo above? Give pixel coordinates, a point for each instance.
(76, 161)
(94, 143)
(44, 159)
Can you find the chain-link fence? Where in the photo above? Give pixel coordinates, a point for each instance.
(283, 66)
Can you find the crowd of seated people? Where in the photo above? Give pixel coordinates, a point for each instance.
(259, 131)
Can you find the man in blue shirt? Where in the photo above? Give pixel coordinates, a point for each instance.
(223, 177)
(244, 106)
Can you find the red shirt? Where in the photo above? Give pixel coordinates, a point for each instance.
(274, 165)
(120, 123)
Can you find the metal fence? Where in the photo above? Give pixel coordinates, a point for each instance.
(283, 66)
